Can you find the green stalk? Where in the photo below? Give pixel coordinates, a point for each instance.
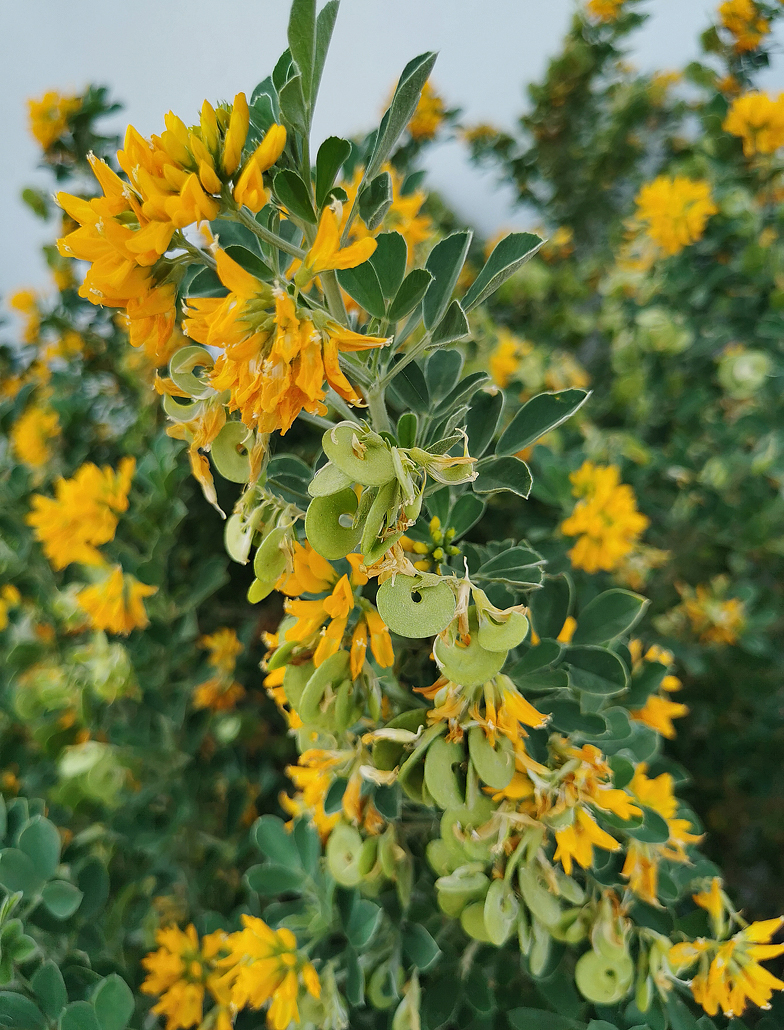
(378, 409)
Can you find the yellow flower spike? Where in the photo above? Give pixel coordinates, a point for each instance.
(341, 600)
(712, 901)
(326, 252)
(759, 121)
(236, 135)
(743, 20)
(658, 713)
(250, 191)
(31, 435)
(359, 642)
(380, 640)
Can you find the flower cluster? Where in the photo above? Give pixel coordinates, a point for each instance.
(742, 19)
(49, 116)
(32, 434)
(82, 516)
(710, 615)
(675, 211)
(758, 120)
(220, 692)
(251, 968)
(428, 116)
(605, 518)
(604, 10)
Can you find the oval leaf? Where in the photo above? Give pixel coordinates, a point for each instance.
(538, 416)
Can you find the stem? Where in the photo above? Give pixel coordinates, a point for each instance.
(195, 252)
(241, 215)
(407, 358)
(329, 284)
(378, 409)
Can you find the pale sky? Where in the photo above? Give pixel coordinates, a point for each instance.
(158, 55)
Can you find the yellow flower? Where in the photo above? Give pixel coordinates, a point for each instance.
(578, 840)
(604, 10)
(326, 252)
(221, 692)
(505, 357)
(428, 115)
(758, 120)
(9, 598)
(268, 969)
(31, 433)
(310, 573)
(116, 604)
(182, 970)
(83, 515)
(742, 19)
(250, 190)
(605, 518)
(224, 647)
(676, 210)
(714, 619)
(729, 974)
(26, 304)
(49, 116)
(275, 358)
(658, 713)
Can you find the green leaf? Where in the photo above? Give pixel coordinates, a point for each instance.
(49, 988)
(466, 512)
(93, 880)
(680, 1016)
(411, 386)
(206, 284)
(452, 327)
(517, 567)
(444, 264)
(17, 872)
(442, 372)
(79, 1015)
(3, 817)
(540, 1019)
(411, 292)
(388, 800)
(362, 284)
(406, 429)
(596, 670)
(419, 947)
(389, 260)
(325, 23)
(308, 845)
(21, 948)
(398, 114)
(302, 42)
(271, 837)
(440, 1001)
(271, 879)
(568, 718)
(654, 829)
(506, 473)
(61, 898)
(545, 653)
(538, 416)
(355, 978)
(462, 393)
(333, 801)
(550, 606)
(292, 192)
(250, 262)
(329, 160)
(375, 200)
(292, 105)
(644, 683)
(113, 1003)
(508, 255)
(19, 1013)
(363, 922)
(483, 419)
(609, 615)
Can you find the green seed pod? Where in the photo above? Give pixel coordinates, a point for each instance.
(295, 679)
(500, 911)
(330, 673)
(541, 903)
(323, 528)
(452, 904)
(466, 879)
(742, 374)
(328, 480)
(643, 995)
(237, 538)
(524, 933)
(344, 853)
(416, 606)
(368, 855)
(229, 452)
(387, 852)
(387, 754)
(259, 589)
(570, 928)
(541, 947)
(381, 990)
(380, 547)
(458, 824)
(472, 919)
(494, 766)
(502, 636)
(445, 784)
(469, 665)
(281, 655)
(181, 367)
(412, 509)
(369, 464)
(181, 411)
(269, 562)
(570, 889)
(378, 518)
(441, 857)
(602, 981)
(412, 781)
(347, 711)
